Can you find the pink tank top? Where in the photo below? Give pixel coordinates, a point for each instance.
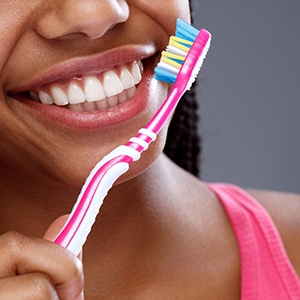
(267, 273)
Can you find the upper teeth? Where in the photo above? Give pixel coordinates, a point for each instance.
(93, 91)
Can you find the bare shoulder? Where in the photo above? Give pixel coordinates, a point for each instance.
(284, 208)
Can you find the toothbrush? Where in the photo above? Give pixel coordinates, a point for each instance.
(179, 65)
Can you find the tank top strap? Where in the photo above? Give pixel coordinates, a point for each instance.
(267, 273)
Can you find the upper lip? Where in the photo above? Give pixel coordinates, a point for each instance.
(84, 65)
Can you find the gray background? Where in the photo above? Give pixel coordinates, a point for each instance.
(249, 93)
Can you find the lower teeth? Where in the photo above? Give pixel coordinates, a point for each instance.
(103, 104)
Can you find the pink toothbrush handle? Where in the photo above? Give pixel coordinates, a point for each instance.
(111, 167)
(74, 233)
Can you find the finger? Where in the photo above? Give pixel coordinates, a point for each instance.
(35, 286)
(55, 228)
(21, 255)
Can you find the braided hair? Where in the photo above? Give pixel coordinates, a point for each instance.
(183, 144)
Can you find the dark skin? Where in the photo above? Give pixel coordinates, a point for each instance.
(161, 233)
(166, 258)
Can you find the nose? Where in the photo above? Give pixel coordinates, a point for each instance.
(92, 18)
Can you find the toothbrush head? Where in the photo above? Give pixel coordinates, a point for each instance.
(184, 56)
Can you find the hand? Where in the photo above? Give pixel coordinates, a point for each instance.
(37, 269)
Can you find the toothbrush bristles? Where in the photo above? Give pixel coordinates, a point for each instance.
(173, 58)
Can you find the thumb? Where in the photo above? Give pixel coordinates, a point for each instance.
(55, 228)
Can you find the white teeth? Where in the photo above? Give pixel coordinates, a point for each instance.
(126, 78)
(89, 106)
(93, 92)
(76, 107)
(93, 89)
(130, 92)
(59, 96)
(75, 94)
(34, 96)
(112, 101)
(102, 104)
(112, 84)
(45, 98)
(123, 97)
(136, 73)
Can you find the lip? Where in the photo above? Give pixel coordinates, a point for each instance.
(91, 65)
(85, 65)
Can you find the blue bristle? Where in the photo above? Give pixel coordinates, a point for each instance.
(186, 32)
(165, 76)
(179, 61)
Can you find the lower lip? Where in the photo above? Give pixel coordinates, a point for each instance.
(97, 119)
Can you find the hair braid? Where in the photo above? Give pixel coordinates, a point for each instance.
(183, 143)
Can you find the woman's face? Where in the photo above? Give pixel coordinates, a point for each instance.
(76, 80)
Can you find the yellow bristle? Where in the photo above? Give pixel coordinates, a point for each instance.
(172, 56)
(171, 62)
(179, 46)
(181, 41)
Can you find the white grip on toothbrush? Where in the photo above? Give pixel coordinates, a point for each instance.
(74, 233)
(194, 46)
(76, 229)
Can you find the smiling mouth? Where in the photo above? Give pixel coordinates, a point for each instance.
(88, 93)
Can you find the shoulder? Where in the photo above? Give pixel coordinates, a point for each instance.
(284, 209)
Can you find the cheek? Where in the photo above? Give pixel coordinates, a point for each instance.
(14, 19)
(169, 15)
(183, 10)
(164, 12)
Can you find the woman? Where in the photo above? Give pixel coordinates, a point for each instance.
(161, 233)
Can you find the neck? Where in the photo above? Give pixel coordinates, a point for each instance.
(24, 199)
(29, 206)
(139, 222)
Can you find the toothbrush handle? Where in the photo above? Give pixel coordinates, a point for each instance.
(82, 217)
